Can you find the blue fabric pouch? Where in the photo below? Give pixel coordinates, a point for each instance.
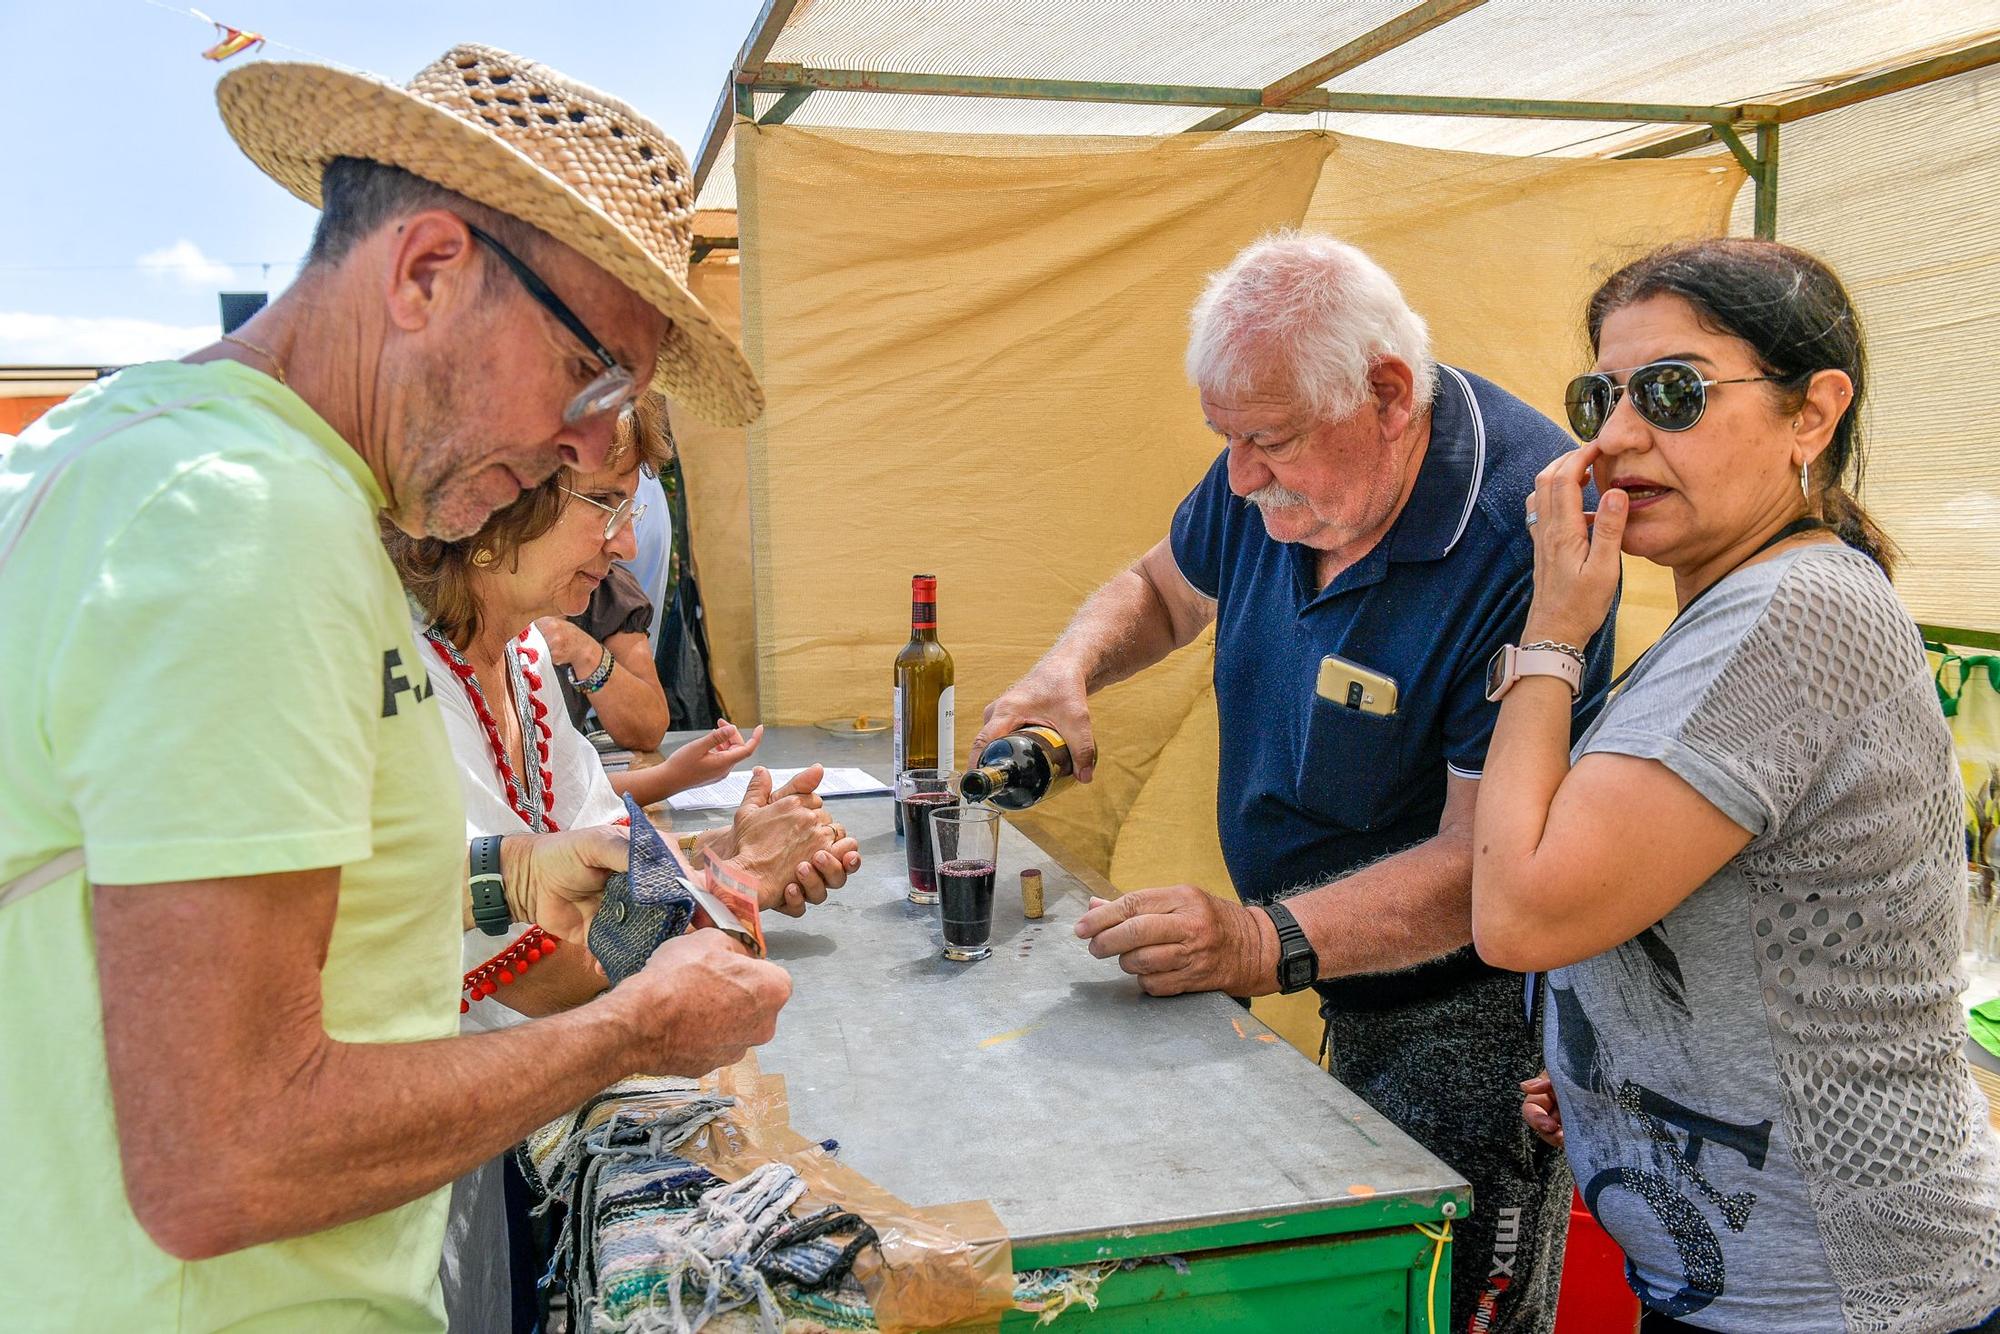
(643, 906)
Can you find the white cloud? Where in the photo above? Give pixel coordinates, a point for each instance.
(80, 340)
(184, 261)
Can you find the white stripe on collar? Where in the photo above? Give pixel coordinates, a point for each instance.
(1478, 453)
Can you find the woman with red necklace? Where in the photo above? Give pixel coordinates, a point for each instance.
(524, 767)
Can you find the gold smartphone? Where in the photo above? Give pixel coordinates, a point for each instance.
(1353, 686)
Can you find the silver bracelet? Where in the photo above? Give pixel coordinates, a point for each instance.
(1557, 647)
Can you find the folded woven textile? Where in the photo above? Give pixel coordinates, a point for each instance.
(644, 906)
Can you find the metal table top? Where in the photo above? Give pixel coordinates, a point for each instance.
(1042, 1079)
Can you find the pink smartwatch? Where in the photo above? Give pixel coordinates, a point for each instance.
(1546, 658)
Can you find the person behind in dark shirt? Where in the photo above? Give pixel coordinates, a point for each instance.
(1368, 505)
(610, 637)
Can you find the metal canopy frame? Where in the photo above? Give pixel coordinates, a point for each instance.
(1300, 92)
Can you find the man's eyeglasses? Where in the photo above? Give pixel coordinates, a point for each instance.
(625, 511)
(1670, 395)
(610, 391)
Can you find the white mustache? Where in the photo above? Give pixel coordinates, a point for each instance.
(1275, 496)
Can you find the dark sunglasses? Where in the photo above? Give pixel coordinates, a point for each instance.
(610, 391)
(1670, 395)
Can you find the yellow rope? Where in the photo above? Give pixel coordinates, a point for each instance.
(1441, 1236)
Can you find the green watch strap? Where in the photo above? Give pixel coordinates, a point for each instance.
(489, 894)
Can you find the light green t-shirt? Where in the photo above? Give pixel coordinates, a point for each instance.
(208, 673)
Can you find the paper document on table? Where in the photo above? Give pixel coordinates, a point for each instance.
(728, 792)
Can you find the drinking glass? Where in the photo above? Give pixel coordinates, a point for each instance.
(966, 841)
(918, 793)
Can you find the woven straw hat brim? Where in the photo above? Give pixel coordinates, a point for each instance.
(292, 119)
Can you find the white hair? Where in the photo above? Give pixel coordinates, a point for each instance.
(1312, 309)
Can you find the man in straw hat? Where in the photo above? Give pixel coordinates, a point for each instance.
(233, 875)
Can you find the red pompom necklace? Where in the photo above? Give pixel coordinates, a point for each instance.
(530, 799)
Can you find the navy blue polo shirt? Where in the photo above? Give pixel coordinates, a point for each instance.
(1309, 789)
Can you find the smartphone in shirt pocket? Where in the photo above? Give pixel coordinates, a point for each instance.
(1353, 686)
(1352, 770)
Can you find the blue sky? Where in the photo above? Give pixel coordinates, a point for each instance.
(122, 198)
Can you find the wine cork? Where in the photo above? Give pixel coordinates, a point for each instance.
(1031, 893)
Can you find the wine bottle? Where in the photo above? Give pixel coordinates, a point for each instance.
(925, 706)
(1018, 770)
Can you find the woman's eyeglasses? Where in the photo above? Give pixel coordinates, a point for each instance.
(1670, 395)
(625, 511)
(612, 390)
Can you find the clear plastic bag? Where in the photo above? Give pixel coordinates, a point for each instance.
(934, 1267)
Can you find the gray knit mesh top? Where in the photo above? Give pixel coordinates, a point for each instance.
(1765, 1096)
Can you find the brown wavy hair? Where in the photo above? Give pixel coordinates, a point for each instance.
(438, 574)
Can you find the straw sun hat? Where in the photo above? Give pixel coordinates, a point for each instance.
(517, 137)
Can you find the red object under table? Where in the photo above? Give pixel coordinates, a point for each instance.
(1595, 1298)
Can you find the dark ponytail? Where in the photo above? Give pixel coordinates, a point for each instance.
(1798, 318)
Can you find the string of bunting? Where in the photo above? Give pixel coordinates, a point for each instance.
(231, 41)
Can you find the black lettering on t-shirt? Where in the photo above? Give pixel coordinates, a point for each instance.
(394, 683)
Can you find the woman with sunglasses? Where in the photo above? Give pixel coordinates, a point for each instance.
(1745, 882)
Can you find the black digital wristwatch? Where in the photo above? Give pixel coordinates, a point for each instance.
(1298, 962)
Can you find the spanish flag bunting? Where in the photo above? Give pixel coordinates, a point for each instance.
(234, 41)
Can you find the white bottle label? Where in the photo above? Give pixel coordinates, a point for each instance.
(947, 727)
(896, 746)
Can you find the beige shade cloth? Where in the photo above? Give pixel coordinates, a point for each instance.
(978, 347)
(1898, 195)
(1718, 51)
(972, 351)
(715, 469)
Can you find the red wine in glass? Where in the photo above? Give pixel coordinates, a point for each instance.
(917, 808)
(965, 903)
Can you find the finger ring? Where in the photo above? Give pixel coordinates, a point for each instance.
(1532, 517)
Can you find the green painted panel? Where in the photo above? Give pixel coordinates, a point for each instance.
(1394, 1211)
(1370, 1283)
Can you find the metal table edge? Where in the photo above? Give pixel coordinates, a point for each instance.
(1185, 1236)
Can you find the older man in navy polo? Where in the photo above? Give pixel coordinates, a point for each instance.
(1368, 507)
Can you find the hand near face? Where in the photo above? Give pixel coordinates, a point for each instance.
(569, 646)
(1577, 555)
(1180, 939)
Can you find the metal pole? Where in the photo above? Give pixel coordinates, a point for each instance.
(1896, 79)
(778, 77)
(1767, 182)
(1405, 27)
(781, 110)
(764, 33)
